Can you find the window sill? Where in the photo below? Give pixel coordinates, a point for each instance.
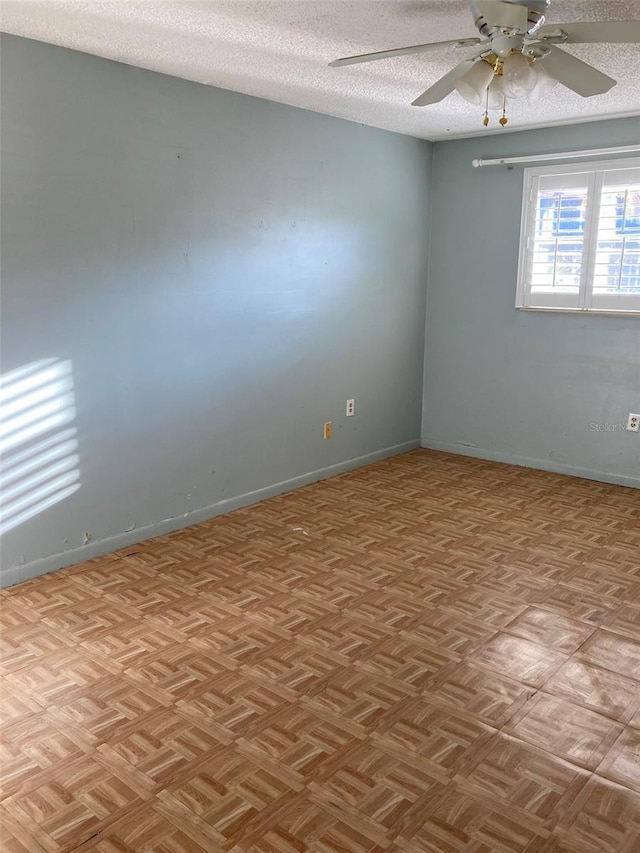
(583, 311)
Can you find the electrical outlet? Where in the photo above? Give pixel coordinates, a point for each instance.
(328, 429)
(633, 422)
(351, 408)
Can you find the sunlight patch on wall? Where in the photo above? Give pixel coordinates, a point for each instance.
(38, 444)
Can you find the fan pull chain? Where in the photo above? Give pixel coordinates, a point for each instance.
(485, 120)
(504, 120)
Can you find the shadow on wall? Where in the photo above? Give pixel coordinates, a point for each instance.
(38, 444)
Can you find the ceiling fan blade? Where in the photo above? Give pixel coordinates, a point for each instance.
(605, 32)
(402, 51)
(575, 74)
(444, 86)
(508, 16)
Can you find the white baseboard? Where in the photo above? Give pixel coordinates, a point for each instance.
(526, 462)
(24, 572)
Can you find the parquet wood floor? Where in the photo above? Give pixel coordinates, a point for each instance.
(433, 654)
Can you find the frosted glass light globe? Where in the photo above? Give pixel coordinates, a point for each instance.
(473, 86)
(518, 79)
(496, 94)
(544, 84)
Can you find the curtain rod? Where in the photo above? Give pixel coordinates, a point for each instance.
(565, 155)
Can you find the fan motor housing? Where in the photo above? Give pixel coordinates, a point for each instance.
(537, 10)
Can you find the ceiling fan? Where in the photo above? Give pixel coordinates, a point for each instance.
(516, 56)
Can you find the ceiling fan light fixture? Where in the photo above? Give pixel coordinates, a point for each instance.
(518, 77)
(473, 86)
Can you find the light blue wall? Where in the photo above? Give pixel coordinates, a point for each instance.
(220, 274)
(518, 386)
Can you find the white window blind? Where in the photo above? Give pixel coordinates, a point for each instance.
(580, 238)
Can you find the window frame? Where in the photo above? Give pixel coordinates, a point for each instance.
(585, 301)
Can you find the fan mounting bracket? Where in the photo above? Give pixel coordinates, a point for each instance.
(557, 37)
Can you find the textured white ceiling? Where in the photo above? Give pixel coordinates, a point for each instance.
(279, 49)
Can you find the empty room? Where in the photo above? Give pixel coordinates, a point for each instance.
(320, 426)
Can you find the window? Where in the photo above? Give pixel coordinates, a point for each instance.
(580, 238)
